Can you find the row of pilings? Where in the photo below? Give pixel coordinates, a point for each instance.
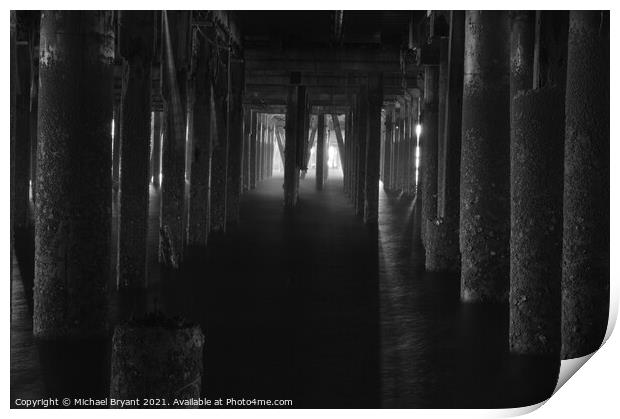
(513, 183)
(113, 107)
(360, 153)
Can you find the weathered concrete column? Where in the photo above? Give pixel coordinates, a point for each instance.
(444, 62)
(585, 271)
(247, 126)
(219, 158)
(433, 224)
(34, 112)
(536, 219)
(235, 142)
(396, 178)
(320, 152)
(116, 147)
(174, 347)
(400, 147)
(202, 137)
(429, 150)
(373, 149)
(444, 254)
(13, 104)
(400, 177)
(253, 148)
(387, 147)
(295, 134)
(393, 160)
(174, 75)
(72, 215)
(136, 41)
(362, 140)
(522, 29)
(22, 147)
(485, 158)
(404, 145)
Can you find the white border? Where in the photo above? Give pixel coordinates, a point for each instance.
(593, 393)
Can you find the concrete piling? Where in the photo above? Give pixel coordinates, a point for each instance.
(202, 138)
(429, 151)
(485, 158)
(136, 49)
(72, 213)
(536, 175)
(157, 358)
(444, 255)
(585, 269)
(373, 148)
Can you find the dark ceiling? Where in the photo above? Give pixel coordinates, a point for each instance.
(316, 27)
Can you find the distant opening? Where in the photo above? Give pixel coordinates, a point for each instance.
(333, 163)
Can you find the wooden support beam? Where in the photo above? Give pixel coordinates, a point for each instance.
(328, 60)
(315, 80)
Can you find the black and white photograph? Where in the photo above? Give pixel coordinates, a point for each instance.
(306, 209)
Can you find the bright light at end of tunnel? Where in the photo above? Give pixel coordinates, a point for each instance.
(418, 130)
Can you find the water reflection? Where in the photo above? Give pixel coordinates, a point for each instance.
(309, 305)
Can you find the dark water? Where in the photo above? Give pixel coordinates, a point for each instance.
(309, 305)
